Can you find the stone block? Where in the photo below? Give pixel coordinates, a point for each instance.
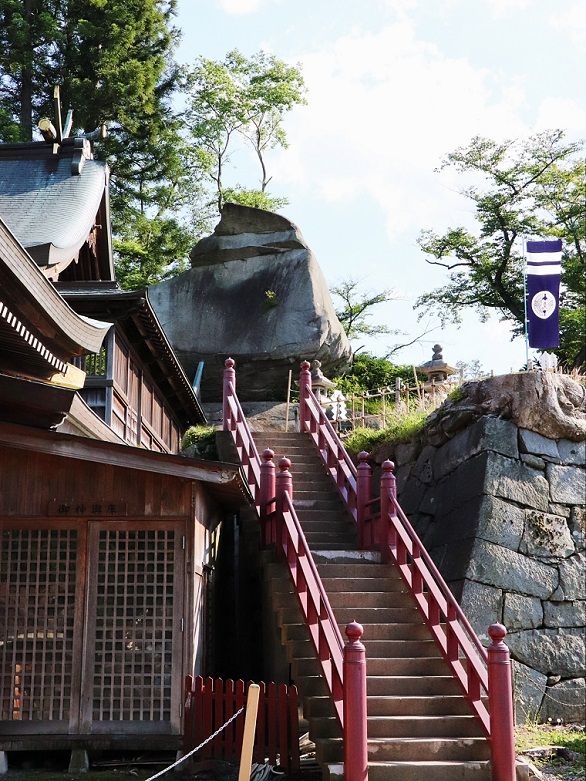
(403, 473)
(517, 482)
(560, 509)
(457, 524)
(529, 686)
(501, 522)
(550, 651)
(406, 453)
(487, 434)
(423, 469)
(521, 612)
(465, 483)
(411, 495)
(453, 560)
(546, 536)
(577, 524)
(572, 585)
(567, 484)
(566, 701)
(535, 462)
(511, 571)
(566, 614)
(572, 452)
(531, 442)
(482, 605)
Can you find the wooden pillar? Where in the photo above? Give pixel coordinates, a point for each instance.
(266, 495)
(355, 706)
(385, 534)
(500, 706)
(284, 485)
(363, 497)
(304, 387)
(229, 379)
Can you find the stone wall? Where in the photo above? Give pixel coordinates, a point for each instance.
(501, 508)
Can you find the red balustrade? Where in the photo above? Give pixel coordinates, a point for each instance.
(210, 702)
(235, 422)
(482, 676)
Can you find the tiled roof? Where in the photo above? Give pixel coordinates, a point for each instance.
(47, 205)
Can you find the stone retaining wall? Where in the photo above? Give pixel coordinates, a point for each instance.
(501, 509)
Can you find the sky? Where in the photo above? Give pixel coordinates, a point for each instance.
(393, 87)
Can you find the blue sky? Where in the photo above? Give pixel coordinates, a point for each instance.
(393, 86)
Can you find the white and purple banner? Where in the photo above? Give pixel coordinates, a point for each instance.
(544, 268)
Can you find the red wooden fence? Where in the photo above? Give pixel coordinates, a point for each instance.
(210, 702)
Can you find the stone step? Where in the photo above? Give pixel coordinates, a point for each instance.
(311, 500)
(411, 685)
(417, 771)
(421, 666)
(299, 631)
(405, 726)
(365, 616)
(376, 649)
(353, 584)
(359, 569)
(380, 705)
(368, 599)
(322, 537)
(410, 749)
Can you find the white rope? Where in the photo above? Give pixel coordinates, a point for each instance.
(197, 748)
(536, 686)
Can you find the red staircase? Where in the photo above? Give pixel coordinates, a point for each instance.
(429, 702)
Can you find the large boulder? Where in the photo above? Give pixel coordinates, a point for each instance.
(255, 292)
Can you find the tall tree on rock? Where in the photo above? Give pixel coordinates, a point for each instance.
(245, 98)
(532, 188)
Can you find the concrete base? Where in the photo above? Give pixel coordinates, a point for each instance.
(79, 761)
(3, 763)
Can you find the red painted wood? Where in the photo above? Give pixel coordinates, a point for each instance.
(218, 745)
(501, 706)
(272, 720)
(240, 690)
(355, 710)
(267, 494)
(293, 722)
(188, 714)
(229, 709)
(198, 733)
(207, 714)
(283, 731)
(363, 495)
(260, 736)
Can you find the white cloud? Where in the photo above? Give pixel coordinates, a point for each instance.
(240, 7)
(503, 8)
(384, 108)
(571, 22)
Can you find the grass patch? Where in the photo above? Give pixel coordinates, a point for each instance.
(400, 429)
(571, 765)
(203, 439)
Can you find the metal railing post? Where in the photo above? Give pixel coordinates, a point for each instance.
(500, 705)
(363, 495)
(266, 494)
(304, 386)
(229, 379)
(355, 711)
(284, 485)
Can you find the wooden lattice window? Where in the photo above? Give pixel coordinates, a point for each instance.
(37, 601)
(134, 625)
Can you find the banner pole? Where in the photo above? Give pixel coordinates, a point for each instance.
(525, 303)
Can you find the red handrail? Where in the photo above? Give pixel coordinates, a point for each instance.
(313, 601)
(314, 421)
(236, 423)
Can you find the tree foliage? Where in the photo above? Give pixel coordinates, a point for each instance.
(368, 373)
(529, 188)
(246, 98)
(354, 311)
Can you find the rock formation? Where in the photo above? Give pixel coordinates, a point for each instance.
(254, 292)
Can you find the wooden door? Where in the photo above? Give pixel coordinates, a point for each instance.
(41, 616)
(132, 679)
(91, 622)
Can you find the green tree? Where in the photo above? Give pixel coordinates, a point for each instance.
(113, 63)
(531, 188)
(354, 311)
(240, 97)
(369, 372)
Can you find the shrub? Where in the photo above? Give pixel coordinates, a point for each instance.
(203, 440)
(400, 429)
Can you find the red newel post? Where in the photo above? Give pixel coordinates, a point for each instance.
(229, 379)
(304, 386)
(284, 485)
(500, 705)
(266, 494)
(388, 488)
(355, 712)
(363, 496)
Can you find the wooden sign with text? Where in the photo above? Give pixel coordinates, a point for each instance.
(81, 508)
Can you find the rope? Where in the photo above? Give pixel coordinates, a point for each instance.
(535, 685)
(197, 748)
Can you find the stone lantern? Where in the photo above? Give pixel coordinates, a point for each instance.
(437, 370)
(320, 384)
